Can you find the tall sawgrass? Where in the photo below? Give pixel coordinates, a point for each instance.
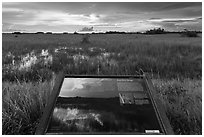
(183, 104)
(23, 105)
(167, 56)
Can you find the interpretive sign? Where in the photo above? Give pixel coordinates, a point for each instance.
(104, 105)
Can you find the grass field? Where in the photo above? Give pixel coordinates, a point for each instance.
(29, 61)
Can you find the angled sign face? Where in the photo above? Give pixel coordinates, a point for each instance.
(103, 105)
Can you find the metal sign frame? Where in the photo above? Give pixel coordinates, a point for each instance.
(157, 105)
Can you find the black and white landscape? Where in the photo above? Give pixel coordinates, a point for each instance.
(41, 39)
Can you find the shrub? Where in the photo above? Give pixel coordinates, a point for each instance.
(39, 32)
(156, 31)
(85, 39)
(16, 32)
(187, 33)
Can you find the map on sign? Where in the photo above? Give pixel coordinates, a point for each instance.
(103, 105)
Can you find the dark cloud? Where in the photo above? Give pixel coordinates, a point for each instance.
(106, 7)
(181, 5)
(191, 12)
(154, 18)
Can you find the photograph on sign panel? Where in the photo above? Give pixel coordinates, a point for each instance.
(91, 49)
(94, 105)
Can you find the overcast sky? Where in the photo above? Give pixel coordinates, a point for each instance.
(70, 17)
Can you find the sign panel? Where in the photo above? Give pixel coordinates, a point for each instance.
(103, 105)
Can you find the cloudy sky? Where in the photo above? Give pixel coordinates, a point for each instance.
(70, 17)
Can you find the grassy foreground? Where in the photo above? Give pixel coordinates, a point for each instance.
(174, 62)
(183, 104)
(23, 104)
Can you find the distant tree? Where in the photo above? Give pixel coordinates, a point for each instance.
(114, 32)
(48, 32)
(156, 31)
(16, 32)
(39, 32)
(187, 33)
(138, 32)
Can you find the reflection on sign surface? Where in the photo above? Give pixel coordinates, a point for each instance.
(95, 105)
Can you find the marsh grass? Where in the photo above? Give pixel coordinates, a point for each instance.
(166, 57)
(183, 104)
(23, 105)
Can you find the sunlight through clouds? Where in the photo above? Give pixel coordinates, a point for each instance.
(57, 17)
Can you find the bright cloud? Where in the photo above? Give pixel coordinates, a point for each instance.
(11, 10)
(102, 16)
